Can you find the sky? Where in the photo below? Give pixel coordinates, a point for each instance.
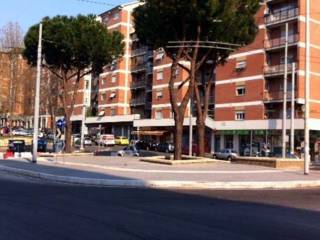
(29, 12)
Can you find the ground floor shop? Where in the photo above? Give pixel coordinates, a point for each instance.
(254, 142)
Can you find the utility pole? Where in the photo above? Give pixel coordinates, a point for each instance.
(307, 94)
(83, 122)
(292, 107)
(37, 100)
(285, 89)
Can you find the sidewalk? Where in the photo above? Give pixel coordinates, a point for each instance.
(116, 171)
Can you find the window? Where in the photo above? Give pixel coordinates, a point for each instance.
(241, 65)
(158, 114)
(114, 79)
(228, 142)
(101, 113)
(159, 94)
(113, 65)
(159, 56)
(240, 91)
(112, 111)
(103, 96)
(103, 81)
(112, 95)
(160, 75)
(87, 84)
(116, 16)
(240, 116)
(290, 59)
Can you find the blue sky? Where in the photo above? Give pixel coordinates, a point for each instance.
(29, 12)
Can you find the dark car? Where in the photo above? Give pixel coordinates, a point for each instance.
(165, 147)
(143, 145)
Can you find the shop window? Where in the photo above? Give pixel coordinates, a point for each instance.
(229, 141)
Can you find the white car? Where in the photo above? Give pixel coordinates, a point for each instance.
(227, 154)
(20, 132)
(131, 151)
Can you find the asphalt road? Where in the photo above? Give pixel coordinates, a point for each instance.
(30, 209)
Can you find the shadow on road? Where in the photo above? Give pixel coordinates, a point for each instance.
(42, 211)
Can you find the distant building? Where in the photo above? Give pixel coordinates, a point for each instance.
(16, 88)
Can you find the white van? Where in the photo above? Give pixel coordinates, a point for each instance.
(107, 140)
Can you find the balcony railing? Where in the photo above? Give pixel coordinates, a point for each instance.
(139, 51)
(138, 84)
(280, 42)
(138, 102)
(277, 114)
(138, 67)
(282, 16)
(277, 69)
(276, 95)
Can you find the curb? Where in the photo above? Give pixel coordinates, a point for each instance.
(74, 164)
(65, 154)
(163, 184)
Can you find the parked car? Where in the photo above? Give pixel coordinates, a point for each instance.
(131, 151)
(165, 147)
(227, 154)
(121, 140)
(106, 140)
(19, 132)
(142, 145)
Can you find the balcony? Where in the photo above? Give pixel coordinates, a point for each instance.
(139, 51)
(276, 70)
(136, 102)
(276, 96)
(276, 113)
(139, 67)
(282, 16)
(138, 84)
(280, 42)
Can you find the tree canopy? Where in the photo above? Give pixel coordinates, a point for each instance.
(72, 48)
(199, 31)
(161, 21)
(73, 43)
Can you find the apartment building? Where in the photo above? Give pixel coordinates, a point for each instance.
(250, 87)
(246, 105)
(132, 93)
(15, 89)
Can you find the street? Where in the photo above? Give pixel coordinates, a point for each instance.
(31, 209)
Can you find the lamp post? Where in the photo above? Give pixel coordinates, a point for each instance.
(307, 94)
(37, 100)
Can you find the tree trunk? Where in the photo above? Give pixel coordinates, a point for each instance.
(68, 132)
(201, 127)
(178, 133)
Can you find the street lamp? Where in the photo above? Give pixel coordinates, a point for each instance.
(37, 96)
(307, 93)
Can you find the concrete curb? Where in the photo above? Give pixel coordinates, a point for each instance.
(74, 164)
(65, 154)
(163, 184)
